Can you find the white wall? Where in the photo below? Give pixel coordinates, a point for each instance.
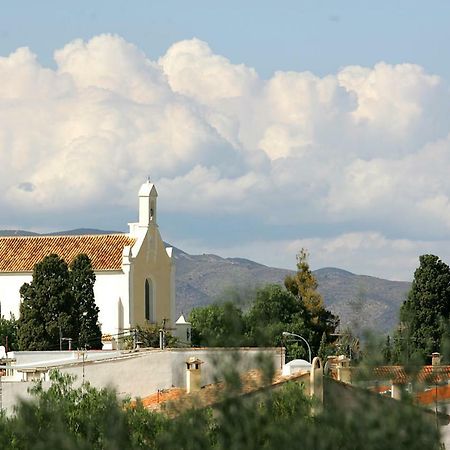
(10, 285)
(143, 373)
(109, 288)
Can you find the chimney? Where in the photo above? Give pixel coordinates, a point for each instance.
(435, 359)
(193, 374)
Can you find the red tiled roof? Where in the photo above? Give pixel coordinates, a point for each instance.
(21, 253)
(208, 395)
(427, 374)
(436, 394)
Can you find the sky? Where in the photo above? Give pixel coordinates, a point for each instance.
(266, 126)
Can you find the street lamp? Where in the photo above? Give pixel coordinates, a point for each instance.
(287, 333)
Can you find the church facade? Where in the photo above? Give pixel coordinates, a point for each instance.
(135, 272)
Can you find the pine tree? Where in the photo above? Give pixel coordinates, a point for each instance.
(304, 284)
(82, 279)
(46, 311)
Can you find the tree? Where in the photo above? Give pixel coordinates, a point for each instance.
(387, 351)
(8, 333)
(304, 284)
(59, 303)
(273, 311)
(324, 350)
(424, 314)
(47, 308)
(82, 279)
(220, 325)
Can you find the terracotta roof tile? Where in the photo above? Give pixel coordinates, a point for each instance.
(426, 374)
(21, 253)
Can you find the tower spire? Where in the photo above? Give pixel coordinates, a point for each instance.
(147, 204)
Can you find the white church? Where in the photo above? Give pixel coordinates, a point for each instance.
(135, 272)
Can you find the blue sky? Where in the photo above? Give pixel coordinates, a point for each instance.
(319, 36)
(266, 128)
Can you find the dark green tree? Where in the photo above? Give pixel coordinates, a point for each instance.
(8, 333)
(220, 325)
(426, 310)
(276, 310)
(387, 351)
(82, 279)
(323, 348)
(47, 307)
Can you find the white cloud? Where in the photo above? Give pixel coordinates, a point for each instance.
(367, 148)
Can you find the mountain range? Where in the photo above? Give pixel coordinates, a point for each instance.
(359, 300)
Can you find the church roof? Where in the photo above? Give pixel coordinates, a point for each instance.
(21, 253)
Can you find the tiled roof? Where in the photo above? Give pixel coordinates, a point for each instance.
(21, 253)
(210, 394)
(426, 374)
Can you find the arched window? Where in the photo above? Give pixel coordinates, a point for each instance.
(149, 300)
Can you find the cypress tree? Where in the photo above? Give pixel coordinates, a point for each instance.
(46, 310)
(426, 309)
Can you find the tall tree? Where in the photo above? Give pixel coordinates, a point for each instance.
(304, 284)
(424, 314)
(47, 307)
(82, 279)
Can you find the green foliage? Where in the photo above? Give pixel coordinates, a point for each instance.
(387, 351)
(217, 325)
(426, 311)
(82, 279)
(304, 284)
(276, 310)
(69, 417)
(47, 306)
(8, 332)
(59, 302)
(297, 308)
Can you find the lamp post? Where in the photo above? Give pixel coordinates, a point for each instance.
(287, 333)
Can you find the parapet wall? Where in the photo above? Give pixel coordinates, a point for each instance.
(139, 374)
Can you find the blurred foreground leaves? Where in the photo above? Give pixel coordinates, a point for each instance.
(69, 416)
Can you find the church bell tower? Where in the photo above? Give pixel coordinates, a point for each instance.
(147, 204)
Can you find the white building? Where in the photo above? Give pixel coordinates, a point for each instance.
(135, 273)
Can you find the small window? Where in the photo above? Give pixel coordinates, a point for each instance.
(149, 300)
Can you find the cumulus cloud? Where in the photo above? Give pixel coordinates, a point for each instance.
(366, 148)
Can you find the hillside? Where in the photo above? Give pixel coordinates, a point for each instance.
(202, 279)
(361, 300)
